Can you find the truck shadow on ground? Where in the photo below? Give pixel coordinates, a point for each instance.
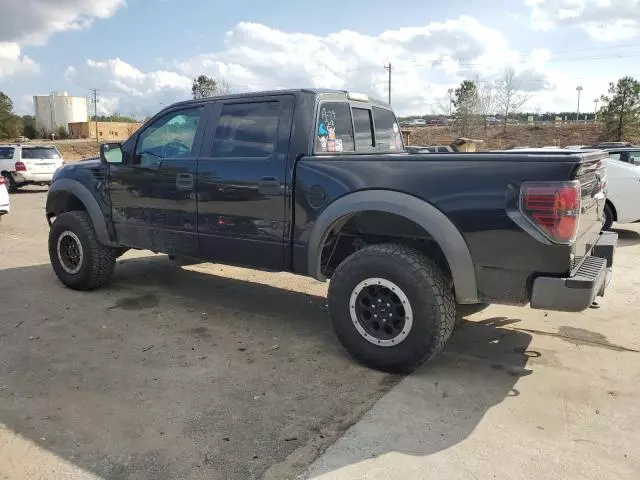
(627, 238)
(171, 373)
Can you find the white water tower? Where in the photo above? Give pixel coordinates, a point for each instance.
(58, 109)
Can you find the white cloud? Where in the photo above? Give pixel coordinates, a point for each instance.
(13, 63)
(603, 20)
(33, 21)
(426, 62)
(127, 89)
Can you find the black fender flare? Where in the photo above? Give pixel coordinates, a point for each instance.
(432, 220)
(83, 194)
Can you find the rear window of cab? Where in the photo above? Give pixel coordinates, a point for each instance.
(342, 127)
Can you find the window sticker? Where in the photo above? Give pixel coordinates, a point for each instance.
(332, 133)
(327, 130)
(323, 143)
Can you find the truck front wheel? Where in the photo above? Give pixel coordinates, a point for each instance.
(77, 258)
(392, 307)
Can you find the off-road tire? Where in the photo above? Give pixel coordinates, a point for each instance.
(428, 289)
(608, 217)
(98, 260)
(12, 186)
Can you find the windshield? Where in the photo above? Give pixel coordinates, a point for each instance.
(40, 152)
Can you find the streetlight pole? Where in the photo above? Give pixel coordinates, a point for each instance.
(450, 100)
(595, 110)
(578, 89)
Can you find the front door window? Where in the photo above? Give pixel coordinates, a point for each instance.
(171, 136)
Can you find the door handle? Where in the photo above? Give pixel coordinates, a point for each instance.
(269, 186)
(184, 182)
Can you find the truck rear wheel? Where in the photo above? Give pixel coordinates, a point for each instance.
(392, 307)
(79, 260)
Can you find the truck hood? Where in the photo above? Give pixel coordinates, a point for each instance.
(79, 168)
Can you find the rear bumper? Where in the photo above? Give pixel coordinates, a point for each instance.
(28, 177)
(577, 292)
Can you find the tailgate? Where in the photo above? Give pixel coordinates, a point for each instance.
(41, 165)
(591, 174)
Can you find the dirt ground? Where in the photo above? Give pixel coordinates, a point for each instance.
(211, 372)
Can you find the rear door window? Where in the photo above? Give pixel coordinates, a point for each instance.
(388, 136)
(247, 130)
(334, 129)
(363, 127)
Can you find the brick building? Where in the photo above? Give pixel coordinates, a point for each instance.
(118, 131)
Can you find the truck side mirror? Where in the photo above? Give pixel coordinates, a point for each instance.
(111, 153)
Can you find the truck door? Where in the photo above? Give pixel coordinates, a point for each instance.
(242, 182)
(153, 192)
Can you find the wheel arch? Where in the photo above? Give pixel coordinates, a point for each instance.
(613, 209)
(429, 218)
(67, 195)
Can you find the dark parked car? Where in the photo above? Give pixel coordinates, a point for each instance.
(316, 182)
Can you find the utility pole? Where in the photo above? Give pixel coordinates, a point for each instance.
(450, 101)
(578, 89)
(595, 110)
(388, 67)
(95, 110)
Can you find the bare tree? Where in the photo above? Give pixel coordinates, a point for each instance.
(509, 97)
(486, 103)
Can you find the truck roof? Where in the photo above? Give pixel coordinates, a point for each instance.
(291, 91)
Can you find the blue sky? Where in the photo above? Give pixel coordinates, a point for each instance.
(141, 54)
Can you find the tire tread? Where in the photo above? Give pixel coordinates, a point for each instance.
(103, 258)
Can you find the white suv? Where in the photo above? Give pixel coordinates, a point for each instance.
(26, 165)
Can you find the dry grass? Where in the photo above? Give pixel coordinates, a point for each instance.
(516, 135)
(79, 150)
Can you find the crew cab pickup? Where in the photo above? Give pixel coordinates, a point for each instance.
(316, 182)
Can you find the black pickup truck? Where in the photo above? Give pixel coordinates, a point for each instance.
(316, 182)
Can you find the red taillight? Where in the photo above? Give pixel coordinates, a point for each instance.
(21, 167)
(553, 208)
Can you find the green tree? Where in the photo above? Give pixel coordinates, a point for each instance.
(10, 124)
(620, 114)
(204, 86)
(29, 126)
(62, 133)
(465, 101)
(6, 105)
(116, 117)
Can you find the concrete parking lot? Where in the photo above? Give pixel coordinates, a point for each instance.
(201, 371)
